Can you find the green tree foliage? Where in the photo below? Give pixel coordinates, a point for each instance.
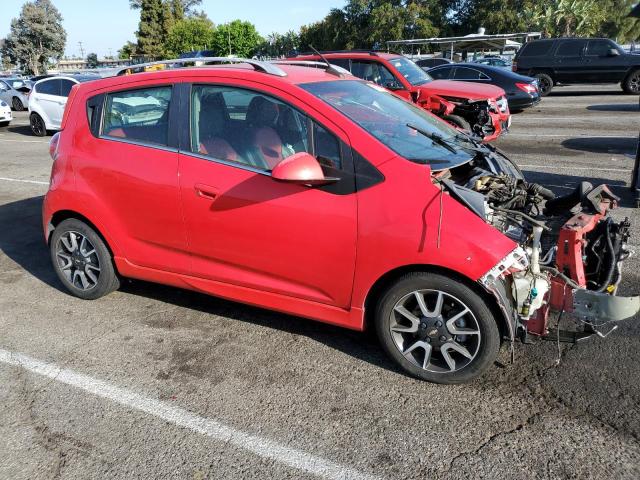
(189, 34)
(279, 45)
(151, 30)
(618, 25)
(92, 60)
(179, 8)
(35, 38)
(236, 38)
(127, 50)
(370, 23)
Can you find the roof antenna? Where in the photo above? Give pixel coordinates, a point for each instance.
(330, 69)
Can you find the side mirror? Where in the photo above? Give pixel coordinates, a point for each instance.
(393, 85)
(302, 169)
(613, 52)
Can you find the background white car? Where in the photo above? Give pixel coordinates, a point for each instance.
(5, 114)
(15, 92)
(48, 99)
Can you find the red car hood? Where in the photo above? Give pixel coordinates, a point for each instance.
(470, 90)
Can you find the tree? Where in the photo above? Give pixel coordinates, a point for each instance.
(180, 8)
(236, 38)
(189, 34)
(36, 37)
(618, 24)
(127, 50)
(151, 30)
(92, 60)
(278, 45)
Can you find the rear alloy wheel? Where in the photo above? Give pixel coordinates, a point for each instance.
(82, 261)
(631, 84)
(37, 125)
(437, 329)
(458, 121)
(545, 84)
(17, 105)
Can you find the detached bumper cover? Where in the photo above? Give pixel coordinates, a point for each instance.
(600, 308)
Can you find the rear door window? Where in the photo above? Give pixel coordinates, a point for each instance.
(65, 87)
(340, 62)
(570, 48)
(599, 48)
(49, 87)
(536, 49)
(441, 73)
(138, 115)
(464, 73)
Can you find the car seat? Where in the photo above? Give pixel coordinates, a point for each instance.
(212, 126)
(262, 116)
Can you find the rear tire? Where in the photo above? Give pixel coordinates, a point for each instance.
(17, 105)
(82, 260)
(545, 84)
(451, 337)
(458, 121)
(38, 127)
(4, 124)
(631, 84)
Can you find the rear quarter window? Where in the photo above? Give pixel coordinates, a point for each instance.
(536, 49)
(138, 115)
(49, 87)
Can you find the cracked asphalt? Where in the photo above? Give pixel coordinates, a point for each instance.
(319, 389)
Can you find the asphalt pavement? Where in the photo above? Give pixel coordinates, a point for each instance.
(157, 382)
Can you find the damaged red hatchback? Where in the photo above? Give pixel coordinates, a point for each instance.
(309, 191)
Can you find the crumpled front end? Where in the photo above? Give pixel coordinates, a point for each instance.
(569, 259)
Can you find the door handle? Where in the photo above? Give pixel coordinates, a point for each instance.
(206, 191)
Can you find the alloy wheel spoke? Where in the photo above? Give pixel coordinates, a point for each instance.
(444, 350)
(455, 330)
(92, 276)
(66, 258)
(415, 321)
(427, 352)
(423, 305)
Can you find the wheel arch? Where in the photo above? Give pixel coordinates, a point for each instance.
(62, 215)
(381, 284)
(546, 71)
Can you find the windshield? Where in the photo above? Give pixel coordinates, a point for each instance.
(398, 124)
(409, 70)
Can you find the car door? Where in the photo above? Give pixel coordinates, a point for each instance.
(569, 61)
(246, 229)
(61, 101)
(47, 96)
(131, 169)
(602, 66)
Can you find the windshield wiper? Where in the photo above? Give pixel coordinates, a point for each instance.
(434, 137)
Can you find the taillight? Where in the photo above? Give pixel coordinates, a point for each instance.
(527, 87)
(53, 146)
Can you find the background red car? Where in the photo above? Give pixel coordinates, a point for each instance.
(480, 109)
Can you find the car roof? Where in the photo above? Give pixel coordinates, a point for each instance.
(295, 75)
(77, 78)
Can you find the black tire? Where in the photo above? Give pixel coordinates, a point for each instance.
(107, 279)
(485, 345)
(4, 124)
(631, 84)
(545, 84)
(17, 105)
(38, 128)
(458, 121)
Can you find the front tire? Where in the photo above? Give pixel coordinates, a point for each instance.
(82, 260)
(545, 84)
(38, 127)
(436, 328)
(458, 121)
(4, 124)
(631, 84)
(17, 105)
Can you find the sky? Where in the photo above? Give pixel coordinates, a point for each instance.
(107, 24)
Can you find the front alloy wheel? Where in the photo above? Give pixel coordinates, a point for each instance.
(437, 328)
(37, 125)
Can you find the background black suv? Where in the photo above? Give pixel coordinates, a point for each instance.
(578, 60)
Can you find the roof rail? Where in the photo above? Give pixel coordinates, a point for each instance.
(259, 66)
(372, 52)
(333, 69)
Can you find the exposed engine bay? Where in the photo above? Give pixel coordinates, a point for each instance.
(570, 249)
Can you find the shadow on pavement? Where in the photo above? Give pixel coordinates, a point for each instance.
(615, 107)
(22, 130)
(22, 241)
(615, 145)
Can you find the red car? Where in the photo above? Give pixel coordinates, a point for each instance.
(314, 193)
(480, 109)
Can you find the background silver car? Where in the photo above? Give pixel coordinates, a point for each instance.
(14, 91)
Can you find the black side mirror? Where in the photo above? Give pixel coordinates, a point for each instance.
(613, 52)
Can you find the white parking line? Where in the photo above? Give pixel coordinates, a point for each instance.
(36, 182)
(21, 141)
(183, 418)
(566, 167)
